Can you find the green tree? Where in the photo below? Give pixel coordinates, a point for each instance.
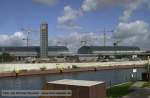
(147, 67)
(6, 57)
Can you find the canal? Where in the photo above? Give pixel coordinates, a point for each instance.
(111, 77)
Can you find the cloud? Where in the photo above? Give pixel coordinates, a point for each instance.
(74, 39)
(46, 2)
(149, 4)
(68, 18)
(89, 5)
(77, 37)
(133, 33)
(129, 5)
(132, 6)
(70, 15)
(12, 40)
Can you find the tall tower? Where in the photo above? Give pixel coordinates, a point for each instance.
(44, 40)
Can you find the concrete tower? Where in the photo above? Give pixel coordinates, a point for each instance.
(44, 40)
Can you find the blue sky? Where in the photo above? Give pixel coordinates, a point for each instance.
(90, 16)
(17, 14)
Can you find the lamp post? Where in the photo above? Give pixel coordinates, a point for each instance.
(3, 51)
(148, 68)
(148, 64)
(135, 72)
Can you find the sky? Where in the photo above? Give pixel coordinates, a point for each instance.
(74, 21)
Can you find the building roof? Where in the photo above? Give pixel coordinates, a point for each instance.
(32, 48)
(91, 49)
(76, 82)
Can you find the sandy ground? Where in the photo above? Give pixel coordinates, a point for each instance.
(37, 66)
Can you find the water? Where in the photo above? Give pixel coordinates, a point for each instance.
(111, 77)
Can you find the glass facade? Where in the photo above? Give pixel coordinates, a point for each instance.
(44, 41)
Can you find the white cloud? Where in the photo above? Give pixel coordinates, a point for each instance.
(133, 33)
(126, 15)
(129, 5)
(69, 16)
(46, 2)
(12, 40)
(149, 4)
(89, 5)
(132, 6)
(74, 39)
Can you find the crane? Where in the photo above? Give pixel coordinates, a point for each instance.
(63, 43)
(104, 35)
(105, 31)
(28, 31)
(117, 42)
(83, 43)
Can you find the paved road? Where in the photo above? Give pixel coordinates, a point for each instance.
(139, 93)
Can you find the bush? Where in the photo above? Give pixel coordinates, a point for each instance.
(147, 67)
(43, 68)
(74, 66)
(119, 90)
(6, 57)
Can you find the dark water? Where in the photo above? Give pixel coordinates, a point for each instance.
(111, 77)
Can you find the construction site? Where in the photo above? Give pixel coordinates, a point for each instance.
(74, 49)
(86, 53)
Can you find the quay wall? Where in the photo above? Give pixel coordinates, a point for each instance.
(65, 70)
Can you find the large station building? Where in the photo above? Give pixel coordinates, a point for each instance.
(23, 52)
(96, 53)
(83, 53)
(108, 50)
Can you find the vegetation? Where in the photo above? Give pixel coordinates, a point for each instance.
(74, 66)
(147, 67)
(119, 90)
(146, 84)
(43, 68)
(5, 57)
